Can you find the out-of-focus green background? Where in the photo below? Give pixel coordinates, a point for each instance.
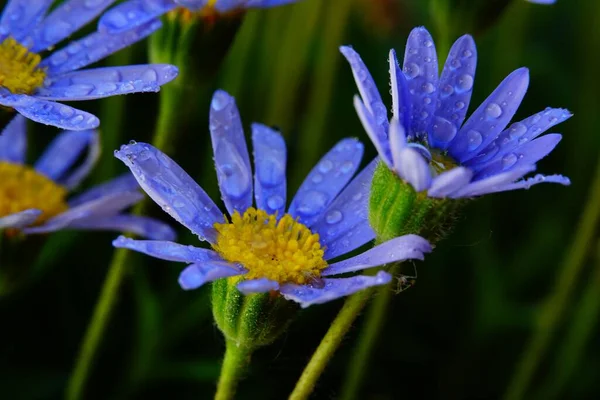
(458, 334)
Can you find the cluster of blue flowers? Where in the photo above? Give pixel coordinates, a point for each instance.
(426, 143)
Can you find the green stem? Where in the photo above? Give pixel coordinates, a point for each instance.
(555, 306)
(577, 337)
(366, 342)
(329, 344)
(98, 324)
(234, 364)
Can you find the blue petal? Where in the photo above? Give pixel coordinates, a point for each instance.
(421, 72)
(102, 207)
(373, 131)
(413, 168)
(13, 141)
(546, 2)
(197, 275)
(123, 183)
(20, 16)
(172, 188)
(232, 161)
(333, 289)
(73, 179)
(193, 5)
(326, 180)
(262, 285)
(344, 226)
(110, 81)
(269, 164)
(133, 13)
(143, 226)
(519, 133)
(527, 154)
(94, 47)
(64, 20)
(62, 153)
(397, 139)
(527, 183)
(369, 94)
(492, 184)
(491, 117)
(408, 247)
(49, 112)
(265, 3)
(19, 219)
(166, 250)
(449, 182)
(400, 93)
(454, 93)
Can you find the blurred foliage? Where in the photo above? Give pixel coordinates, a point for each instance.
(458, 334)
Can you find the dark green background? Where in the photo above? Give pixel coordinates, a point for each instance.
(458, 334)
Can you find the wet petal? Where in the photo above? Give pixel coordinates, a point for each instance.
(454, 94)
(421, 72)
(20, 219)
(449, 182)
(261, 285)
(397, 139)
(491, 184)
(368, 92)
(167, 250)
(94, 47)
(232, 161)
(527, 154)
(104, 82)
(20, 16)
(197, 275)
(13, 141)
(333, 289)
(172, 188)
(491, 117)
(65, 149)
(133, 13)
(326, 180)
(142, 226)
(400, 94)
(344, 226)
(65, 19)
(379, 139)
(408, 247)
(270, 165)
(529, 182)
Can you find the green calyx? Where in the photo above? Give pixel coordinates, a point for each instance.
(253, 320)
(396, 209)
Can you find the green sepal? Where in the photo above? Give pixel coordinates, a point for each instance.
(253, 320)
(396, 209)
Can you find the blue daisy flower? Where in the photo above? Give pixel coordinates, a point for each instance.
(265, 246)
(542, 1)
(32, 85)
(426, 143)
(34, 199)
(133, 13)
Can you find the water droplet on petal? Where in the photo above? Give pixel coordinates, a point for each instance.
(411, 70)
(474, 139)
(509, 160)
(517, 130)
(325, 166)
(333, 217)
(493, 110)
(464, 83)
(443, 130)
(275, 202)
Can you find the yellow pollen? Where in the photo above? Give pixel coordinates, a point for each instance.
(22, 188)
(285, 251)
(19, 71)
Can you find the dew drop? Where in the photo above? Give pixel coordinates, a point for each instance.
(443, 130)
(464, 83)
(474, 139)
(275, 202)
(493, 110)
(333, 217)
(325, 166)
(459, 105)
(428, 88)
(347, 167)
(517, 130)
(411, 70)
(509, 160)
(317, 178)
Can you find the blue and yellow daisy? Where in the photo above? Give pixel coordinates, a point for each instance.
(426, 142)
(32, 84)
(33, 199)
(133, 13)
(266, 247)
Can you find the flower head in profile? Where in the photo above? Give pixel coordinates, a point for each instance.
(265, 245)
(132, 13)
(33, 86)
(33, 199)
(426, 142)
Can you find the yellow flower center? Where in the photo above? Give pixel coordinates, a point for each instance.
(19, 71)
(22, 188)
(285, 251)
(440, 162)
